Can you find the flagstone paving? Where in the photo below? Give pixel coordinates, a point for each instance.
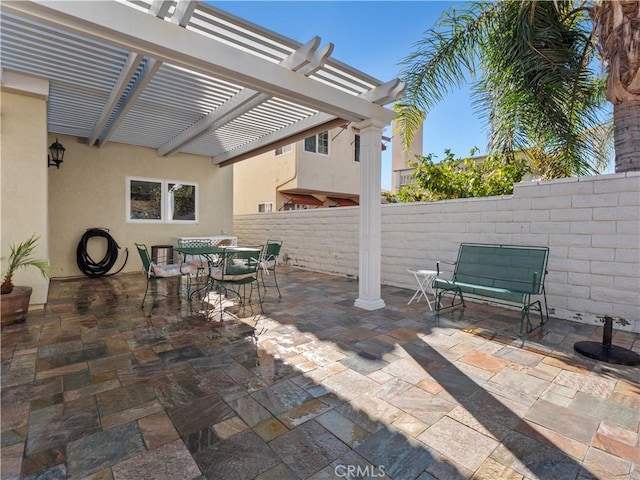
(315, 388)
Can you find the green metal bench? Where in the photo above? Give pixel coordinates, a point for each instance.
(506, 274)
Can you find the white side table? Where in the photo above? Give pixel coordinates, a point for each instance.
(424, 279)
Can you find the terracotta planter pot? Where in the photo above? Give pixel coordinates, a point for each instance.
(15, 305)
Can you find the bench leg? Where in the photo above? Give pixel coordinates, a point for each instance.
(441, 293)
(525, 315)
(546, 309)
(524, 318)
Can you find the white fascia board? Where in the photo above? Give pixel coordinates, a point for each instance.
(22, 83)
(123, 26)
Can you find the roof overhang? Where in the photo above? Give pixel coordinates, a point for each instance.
(303, 199)
(182, 77)
(343, 202)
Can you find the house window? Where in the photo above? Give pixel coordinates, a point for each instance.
(265, 207)
(144, 200)
(181, 202)
(317, 143)
(356, 148)
(284, 149)
(161, 201)
(290, 206)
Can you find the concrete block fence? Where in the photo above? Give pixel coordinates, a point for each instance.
(591, 226)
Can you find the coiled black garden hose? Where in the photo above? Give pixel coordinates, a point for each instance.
(95, 269)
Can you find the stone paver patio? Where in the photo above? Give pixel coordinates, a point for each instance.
(314, 388)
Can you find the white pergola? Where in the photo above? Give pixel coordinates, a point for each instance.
(187, 77)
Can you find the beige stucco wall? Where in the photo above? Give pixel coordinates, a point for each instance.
(336, 172)
(89, 190)
(257, 179)
(23, 172)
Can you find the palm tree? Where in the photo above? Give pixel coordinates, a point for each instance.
(538, 88)
(616, 24)
(21, 257)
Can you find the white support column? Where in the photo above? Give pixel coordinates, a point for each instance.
(370, 177)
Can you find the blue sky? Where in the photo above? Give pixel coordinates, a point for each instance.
(374, 37)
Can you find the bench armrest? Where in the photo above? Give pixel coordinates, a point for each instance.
(438, 266)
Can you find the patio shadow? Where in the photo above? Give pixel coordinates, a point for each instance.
(319, 389)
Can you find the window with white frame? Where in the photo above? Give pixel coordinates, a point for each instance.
(284, 149)
(152, 200)
(317, 143)
(265, 207)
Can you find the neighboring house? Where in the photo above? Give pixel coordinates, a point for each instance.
(401, 172)
(321, 170)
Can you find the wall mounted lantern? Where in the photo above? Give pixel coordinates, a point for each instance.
(57, 154)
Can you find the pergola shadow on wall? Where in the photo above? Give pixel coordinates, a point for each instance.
(185, 77)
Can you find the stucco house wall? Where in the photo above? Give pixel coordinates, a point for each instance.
(257, 179)
(336, 172)
(89, 190)
(591, 226)
(23, 173)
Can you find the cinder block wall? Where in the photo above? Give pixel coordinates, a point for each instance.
(591, 226)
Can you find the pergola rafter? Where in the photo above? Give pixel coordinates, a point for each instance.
(304, 58)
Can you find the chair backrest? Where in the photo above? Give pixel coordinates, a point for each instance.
(195, 242)
(144, 256)
(240, 260)
(271, 250)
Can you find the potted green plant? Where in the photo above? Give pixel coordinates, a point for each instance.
(14, 300)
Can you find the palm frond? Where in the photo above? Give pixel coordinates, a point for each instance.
(407, 123)
(443, 60)
(538, 87)
(21, 256)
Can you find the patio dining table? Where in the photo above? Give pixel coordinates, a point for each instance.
(211, 253)
(214, 256)
(207, 251)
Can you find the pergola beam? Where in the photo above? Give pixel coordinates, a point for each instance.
(123, 80)
(384, 91)
(247, 99)
(183, 11)
(159, 8)
(137, 89)
(298, 131)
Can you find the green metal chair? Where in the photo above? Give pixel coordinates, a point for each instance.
(199, 263)
(156, 272)
(269, 261)
(237, 270)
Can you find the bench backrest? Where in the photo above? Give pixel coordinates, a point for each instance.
(516, 268)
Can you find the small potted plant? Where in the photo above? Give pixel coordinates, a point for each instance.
(14, 300)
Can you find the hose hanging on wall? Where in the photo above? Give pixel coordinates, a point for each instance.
(98, 269)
